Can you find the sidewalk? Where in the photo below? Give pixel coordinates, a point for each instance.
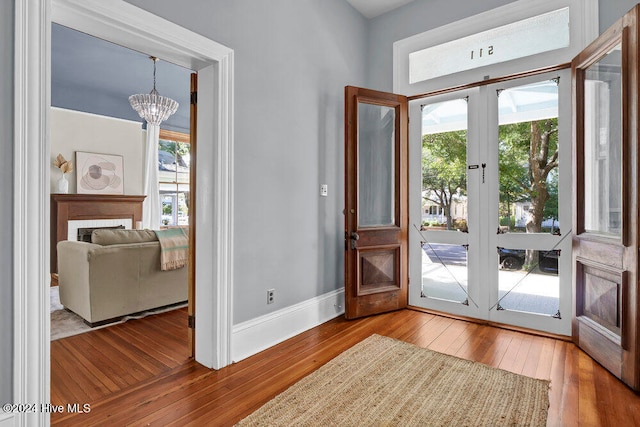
(535, 293)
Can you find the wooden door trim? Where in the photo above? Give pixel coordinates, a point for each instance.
(193, 126)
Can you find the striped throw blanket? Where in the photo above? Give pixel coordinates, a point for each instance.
(174, 248)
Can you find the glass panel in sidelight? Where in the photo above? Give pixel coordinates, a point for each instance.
(603, 145)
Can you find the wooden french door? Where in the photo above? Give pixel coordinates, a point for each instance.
(376, 202)
(606, 108)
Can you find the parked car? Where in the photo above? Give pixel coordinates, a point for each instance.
(513, 259)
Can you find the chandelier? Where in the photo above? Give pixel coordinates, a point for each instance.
(151, 106)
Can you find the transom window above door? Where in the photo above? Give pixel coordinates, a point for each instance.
(520, 36)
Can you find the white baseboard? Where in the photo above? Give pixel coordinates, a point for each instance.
(255, 335)
(7, 420)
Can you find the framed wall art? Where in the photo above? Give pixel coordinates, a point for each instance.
(99, 173)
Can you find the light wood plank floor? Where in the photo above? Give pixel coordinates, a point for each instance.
(138, 373)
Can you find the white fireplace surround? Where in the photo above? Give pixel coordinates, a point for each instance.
(74, 225)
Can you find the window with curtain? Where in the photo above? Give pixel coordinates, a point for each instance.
(173, 176)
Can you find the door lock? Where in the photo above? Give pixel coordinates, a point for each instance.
(354, 237)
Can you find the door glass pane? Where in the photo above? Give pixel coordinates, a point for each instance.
(603, 145)
(528, 158)
(444, 272)
(376, 165)
(444, 166)
(444, 199)
(528, 281)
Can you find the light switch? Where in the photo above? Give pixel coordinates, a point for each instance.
(324, 190)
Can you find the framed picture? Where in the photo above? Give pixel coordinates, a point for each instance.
(99, 173)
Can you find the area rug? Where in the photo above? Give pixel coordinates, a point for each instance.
(385, 382)
(65, 323)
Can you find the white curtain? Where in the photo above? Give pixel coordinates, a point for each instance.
(151, 208)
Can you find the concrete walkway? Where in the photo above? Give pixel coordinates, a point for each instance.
(535, 293)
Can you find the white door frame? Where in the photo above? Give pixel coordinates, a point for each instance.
(482, 261)
(561, 325)
(127, 25)
(475, 115)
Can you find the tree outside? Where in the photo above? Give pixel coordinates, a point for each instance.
(528, 173)
(444, 169)
(528, 169)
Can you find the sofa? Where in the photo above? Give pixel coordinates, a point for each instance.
(116, 274)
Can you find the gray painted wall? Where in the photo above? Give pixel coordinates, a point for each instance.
(293, 59)
(611, 10)
(6, 209)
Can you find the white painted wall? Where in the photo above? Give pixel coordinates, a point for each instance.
(73, 131)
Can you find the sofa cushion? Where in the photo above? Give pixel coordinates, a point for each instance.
(106, 237)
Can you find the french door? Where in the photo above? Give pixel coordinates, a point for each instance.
(489, 167)
(606, 321)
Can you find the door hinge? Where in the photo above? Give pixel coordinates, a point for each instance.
(194, 97)
(191, 322)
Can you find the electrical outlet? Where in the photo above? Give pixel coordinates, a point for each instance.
(271, 296)
(324, 190)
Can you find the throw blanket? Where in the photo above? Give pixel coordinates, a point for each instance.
(174, 248)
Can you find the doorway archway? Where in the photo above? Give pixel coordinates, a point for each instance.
(127, 25)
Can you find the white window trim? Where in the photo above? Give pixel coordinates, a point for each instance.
(584, 29)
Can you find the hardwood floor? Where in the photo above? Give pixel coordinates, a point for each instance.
(138, 373)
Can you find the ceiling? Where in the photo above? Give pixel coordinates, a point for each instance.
(373, 8)
(95, 76)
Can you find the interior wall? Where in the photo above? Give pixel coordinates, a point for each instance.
(6, 208)
(292, 61)
(73, 131)
(611, 11)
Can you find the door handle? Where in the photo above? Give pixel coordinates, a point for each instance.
(354, 237)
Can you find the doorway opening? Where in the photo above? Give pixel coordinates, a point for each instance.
(129, 26)
(488, 166)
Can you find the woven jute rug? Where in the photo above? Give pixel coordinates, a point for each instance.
(385, 382)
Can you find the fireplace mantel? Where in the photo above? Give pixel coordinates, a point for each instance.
(70, 207)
